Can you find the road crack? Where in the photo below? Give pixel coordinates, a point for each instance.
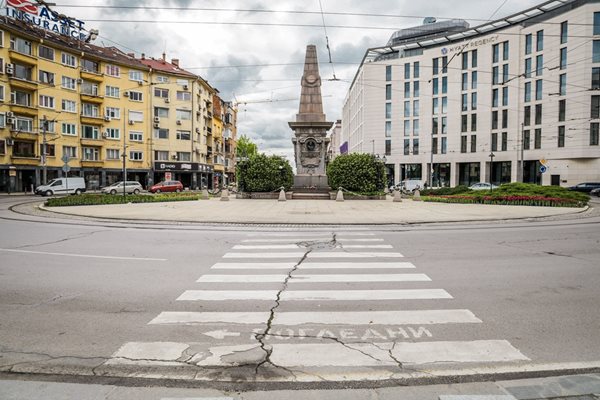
(66, 239)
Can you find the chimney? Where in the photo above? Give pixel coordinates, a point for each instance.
(143, 56)
(175, 62)
(164, 57)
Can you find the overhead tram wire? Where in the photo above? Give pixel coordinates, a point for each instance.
(327, 42)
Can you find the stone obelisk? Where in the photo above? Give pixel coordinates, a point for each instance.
(310, 129)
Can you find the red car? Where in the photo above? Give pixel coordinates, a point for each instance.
(166, 186)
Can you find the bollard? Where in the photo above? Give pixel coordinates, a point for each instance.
(281, 195)
(204, 194)
(417, 195)
(397, 196)
(386, 190)
(340, 195)
(225, 195)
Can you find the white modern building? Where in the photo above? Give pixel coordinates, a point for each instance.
(517, 97)
(335, 140)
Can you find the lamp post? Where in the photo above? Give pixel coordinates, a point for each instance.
(492, 155)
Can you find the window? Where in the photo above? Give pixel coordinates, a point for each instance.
(89, 88)
(562, 110)
(473, 122)
(24, 124)
(465, 60)
(415, 147)
(164, 93)
(474, 80)
(2, 147)
(416, 126)
(388, 92)
(136, 76)
(46, 77)
(436, 66)
(112, 91)
(539, 42)
(464, 123)
(162, 79)
(416, 89)
(161, 133)
(596, 52)
(90, 66)
(528, 43)
(528, 68)
(564, 32)
(113, 154)
(505, 51)
(388, 147)
(1, 93)
(597, 23)
(465, 102)
(444, 85)
(495, 75)
(434, 145)
(69, 60)
(20, 98)
(50, 126)
(527, 92)
(136, 136)
(407, 71)
(444, 65)
(504, 119)
(161, 112)
(444, 105)
(495, 98)
(595, 107)
(161, 155)
(594, 132)
(184, 156)
(504, 141)
(465, 81)
(183, 82)
(474, 101)
(538, 114)
(46, 52)
(136, 96)
(538, 89)
(463, 144)
(407, 128)
(416, 70)
(561, 136)
(527, 116)
(69, 106)
(562, 82)
(388, 128)
(68, 83)
(495, 53)
(406, 147)
(435, 86)
(136, 116)
(563, 55)
(46, 101)
(136, 155)
(407, 108)
(539, 65)
(90, 154)
(388, 73)
(69, 129)
(112, 112)
(113, 70)
(416, 108)
(444, 125)
(406, 89)
(184, 135)
(70, 151)
(23, 72)
(474, 59)
(595, 78)
(20, 45)
(505, 96)
(526, 140)
(388, 110)
(537, 140)
(495, 141)
(494, 119)
(473, 143)
(90, 110)
(434, 126)
(89, 132)
(444, 145)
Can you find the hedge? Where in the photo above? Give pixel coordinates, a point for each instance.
(522, 200)
(361, 173)
(262, 173)
(99, 199)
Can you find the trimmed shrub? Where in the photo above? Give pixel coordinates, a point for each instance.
(262, 173)
(101, 199)
(521, 200)
(361, 173)
(460, 189)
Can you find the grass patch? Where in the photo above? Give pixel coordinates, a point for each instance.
(100, 199)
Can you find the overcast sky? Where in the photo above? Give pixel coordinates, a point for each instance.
(222, 40)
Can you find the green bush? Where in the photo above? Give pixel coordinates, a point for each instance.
(361, 173)
(101, 199)
(262, 173)
(460, 189)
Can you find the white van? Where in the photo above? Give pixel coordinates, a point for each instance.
(75, 185)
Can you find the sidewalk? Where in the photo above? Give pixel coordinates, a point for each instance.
(312, 212)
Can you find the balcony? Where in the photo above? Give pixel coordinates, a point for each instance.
(92, 75)
(22, 83)
(24, 109)
(91, 96)
(17, 134)
(22, 57)
(92, 163)
(25, 159)
(92, 119)
(91, 142)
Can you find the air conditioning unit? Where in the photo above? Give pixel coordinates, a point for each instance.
(107, 118)
(10, 142)
(198, 151)
(178, 122)
(9, 69)
(156, 120)
(167, 100)
(174, 156)
(79, 81)
(185, 87)
(130, 122)
(10, 114)
(126, 94)
(10, 121)
(105, 134)
(197, 130)
(156, 125)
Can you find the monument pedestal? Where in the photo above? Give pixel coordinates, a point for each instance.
(310, 182)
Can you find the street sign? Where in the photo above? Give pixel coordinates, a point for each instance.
(543, 161)
(65, 158)
(543, 169)
(66, 168)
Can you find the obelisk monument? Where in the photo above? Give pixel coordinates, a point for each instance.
(310, 129)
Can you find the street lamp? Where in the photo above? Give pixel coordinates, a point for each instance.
(492, 155)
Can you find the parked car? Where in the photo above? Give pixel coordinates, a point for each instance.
(482, 186)
(74, 185)
(166, 186)
(117, 187)
(595, 192)
(586, 187)
(408, 185)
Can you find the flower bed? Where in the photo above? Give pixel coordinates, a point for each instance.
(507, 200)
(99, 199)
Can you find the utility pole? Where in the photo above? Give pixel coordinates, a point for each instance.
(492, 155)
(124, 154)
(522, 166)
(430, 173)
(44, 151)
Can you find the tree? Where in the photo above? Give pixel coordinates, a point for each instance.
(246, 147)
(360, 173)
(262, 173)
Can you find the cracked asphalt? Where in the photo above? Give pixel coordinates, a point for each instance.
(532, 284)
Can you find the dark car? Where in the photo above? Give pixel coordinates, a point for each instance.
(586, 187)
(595, 192)
(166, 186)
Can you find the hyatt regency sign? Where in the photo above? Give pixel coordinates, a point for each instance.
(29, 11)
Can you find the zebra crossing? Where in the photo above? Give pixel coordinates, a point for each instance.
(302, 301)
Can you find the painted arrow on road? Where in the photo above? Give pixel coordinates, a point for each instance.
(221, 334)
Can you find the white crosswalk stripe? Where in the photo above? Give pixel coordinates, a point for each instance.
(386, 327)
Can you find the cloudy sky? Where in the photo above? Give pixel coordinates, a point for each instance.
(253, 51)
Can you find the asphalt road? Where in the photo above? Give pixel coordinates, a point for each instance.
(353, 304)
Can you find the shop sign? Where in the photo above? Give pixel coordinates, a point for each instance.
(459, 48)
(31, 12)
(180, 166)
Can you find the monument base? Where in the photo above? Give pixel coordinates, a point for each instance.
(310, 182)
